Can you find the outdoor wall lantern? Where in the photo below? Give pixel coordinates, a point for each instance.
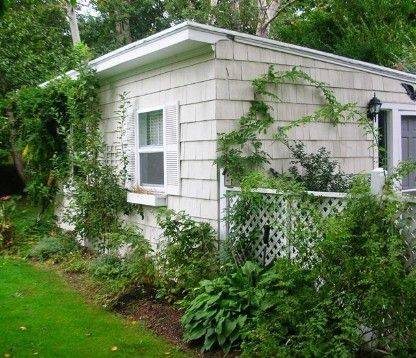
(374, 107)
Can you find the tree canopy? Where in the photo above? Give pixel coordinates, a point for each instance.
(121, 22)
(377, 31)
(35, 43)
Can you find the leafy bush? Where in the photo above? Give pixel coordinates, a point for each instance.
(121, 276)
(320, 173)
(189, 254)
(97, 204)
(350, 290)
(7, 208)
(107, 267)
(356, 287)
(223, 307)
(77, 262)
(53, 247)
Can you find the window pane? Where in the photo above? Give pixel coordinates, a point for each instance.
(151, 128)
(382, 139)
(151, 169)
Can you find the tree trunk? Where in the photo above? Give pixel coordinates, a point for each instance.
(16, 156)
(73, 23)
(123, 31)
(267, 12)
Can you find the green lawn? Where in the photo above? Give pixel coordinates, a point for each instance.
(40, 315)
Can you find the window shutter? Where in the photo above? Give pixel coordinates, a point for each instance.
(130, 149)
(172, 149)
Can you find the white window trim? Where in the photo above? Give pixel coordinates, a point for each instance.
(157, 189)
(394, 130)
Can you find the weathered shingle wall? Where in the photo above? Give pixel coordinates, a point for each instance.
(237, 64)
(214, 90)
(191, 82)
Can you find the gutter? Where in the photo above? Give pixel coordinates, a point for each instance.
(304, 52)
(192, 31)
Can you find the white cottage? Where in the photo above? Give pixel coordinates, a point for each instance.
(191, 82)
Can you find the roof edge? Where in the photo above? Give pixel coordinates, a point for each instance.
(303, 51)
(210, 35)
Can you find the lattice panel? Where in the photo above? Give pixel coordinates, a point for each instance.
(272, 223)
(279, 217)
(113, 155)
(408, 222)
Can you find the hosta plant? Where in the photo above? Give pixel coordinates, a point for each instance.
(223, 307)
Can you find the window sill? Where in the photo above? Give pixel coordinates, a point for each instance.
(146, 199)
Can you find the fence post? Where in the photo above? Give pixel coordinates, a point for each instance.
(378, 179)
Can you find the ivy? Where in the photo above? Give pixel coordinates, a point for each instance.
(38, 126)
(56, 131)
(240, 151)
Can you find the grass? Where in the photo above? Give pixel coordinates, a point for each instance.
(41, 315)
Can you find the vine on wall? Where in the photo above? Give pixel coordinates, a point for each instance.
(240, 151)
(58, 136)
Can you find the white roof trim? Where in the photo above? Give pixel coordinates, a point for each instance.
(304, 51)
(189, 35)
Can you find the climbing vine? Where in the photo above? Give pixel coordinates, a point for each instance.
(240, 151)
(57, 134)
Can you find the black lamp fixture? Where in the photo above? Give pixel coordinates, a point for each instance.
(373, 108)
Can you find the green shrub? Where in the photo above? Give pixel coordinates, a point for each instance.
(319, 172)
(53, 247)
(108, 267)
(188, 255)
(351, 282)
(7, 208)
(120, 276)
(77, 262)
(223, 307)
(98, 204)
(357, 285)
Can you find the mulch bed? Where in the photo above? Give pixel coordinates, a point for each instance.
(160, 317)
(163, 319)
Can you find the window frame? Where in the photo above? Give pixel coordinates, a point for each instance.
(149, 149)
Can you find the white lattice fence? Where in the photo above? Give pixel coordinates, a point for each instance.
(408, 222)
(264, 225)
(271, 220)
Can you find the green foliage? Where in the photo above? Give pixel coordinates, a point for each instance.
(97, 204)
(376, 31)
(240, 151)
(57, 133)
(35, 44)
(7, 209)
(3, 6)
(354, 286)
(107, 267)
(123, 275)
(188, 255)
(53, 247)
(41, 123)
(348, 291)
(222, 309)
(120, 22)
(76, 262)
(232, 146)
(28, 227)
(319, 172)
(241, 16)
(406, 61)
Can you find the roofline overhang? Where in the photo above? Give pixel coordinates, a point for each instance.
(189, 35)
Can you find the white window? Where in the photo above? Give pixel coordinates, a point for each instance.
(153, 149)
(150, 149)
